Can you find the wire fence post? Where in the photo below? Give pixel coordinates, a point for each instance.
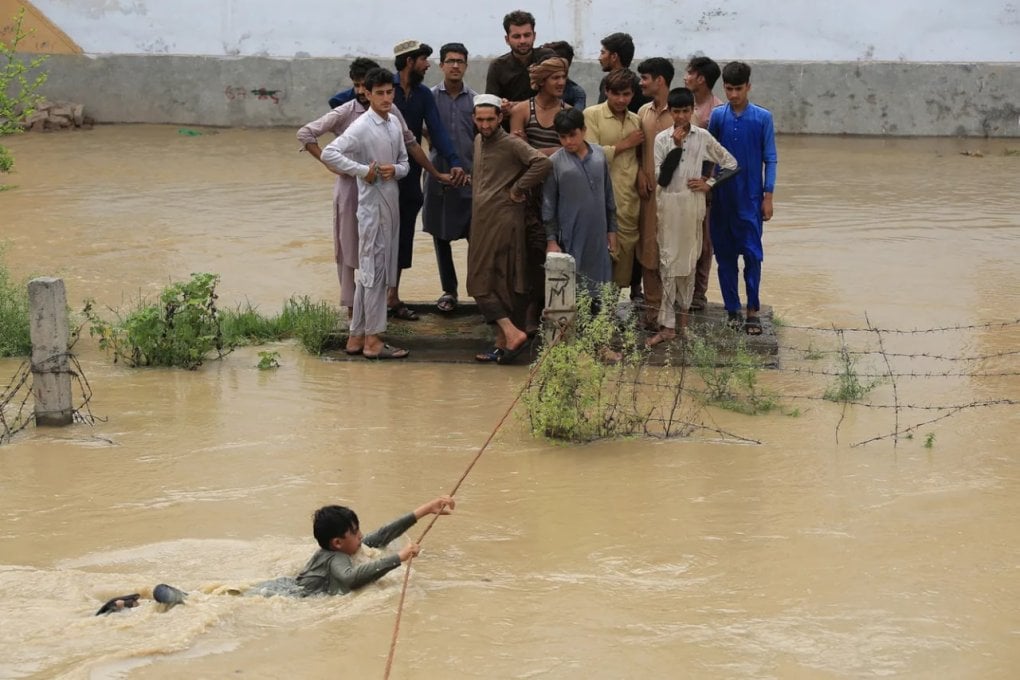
(51, 366)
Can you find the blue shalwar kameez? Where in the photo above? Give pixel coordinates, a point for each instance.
(736, 222)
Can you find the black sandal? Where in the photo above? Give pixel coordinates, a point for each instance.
(402, 311)
(753, 325)
(734, 321)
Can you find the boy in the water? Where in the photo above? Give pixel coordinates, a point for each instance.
(346, 560)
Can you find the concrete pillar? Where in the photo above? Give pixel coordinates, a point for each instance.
(560, 294)
(51, 370)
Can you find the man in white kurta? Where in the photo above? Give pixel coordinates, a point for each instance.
(372, 150)
(679, 154)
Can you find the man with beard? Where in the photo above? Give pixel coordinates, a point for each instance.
(506, 168)
(618, 131)
(418, 105)
(345, 192)
(447, 212)
(617, 52)
(508, 76)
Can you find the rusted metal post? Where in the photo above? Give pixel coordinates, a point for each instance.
(560, 294)
(51, 366)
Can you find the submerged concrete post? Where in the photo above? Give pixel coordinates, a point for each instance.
(51, 366)
(560, 294)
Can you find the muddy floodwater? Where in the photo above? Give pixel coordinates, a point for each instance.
(799, 557)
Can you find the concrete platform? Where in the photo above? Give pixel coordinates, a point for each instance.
(456, 337)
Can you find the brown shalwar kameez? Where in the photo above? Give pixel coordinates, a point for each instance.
(653, 121)
(496, 253)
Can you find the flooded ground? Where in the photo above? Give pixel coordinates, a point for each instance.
(801, 557)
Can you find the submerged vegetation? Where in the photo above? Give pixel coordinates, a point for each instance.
(729, 372)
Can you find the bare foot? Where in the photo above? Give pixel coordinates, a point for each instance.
(664, 335)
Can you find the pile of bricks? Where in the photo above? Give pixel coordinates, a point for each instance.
(58, 116)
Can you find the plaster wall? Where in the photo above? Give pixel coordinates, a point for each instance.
(892, 98)
(792, 30)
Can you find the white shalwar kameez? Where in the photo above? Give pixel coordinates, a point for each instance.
(372, 139)
(680, 214)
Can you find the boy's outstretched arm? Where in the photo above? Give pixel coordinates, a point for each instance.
(443, 505)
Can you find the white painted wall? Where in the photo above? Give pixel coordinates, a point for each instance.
(796, 30)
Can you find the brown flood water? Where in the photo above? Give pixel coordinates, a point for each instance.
(798, 558)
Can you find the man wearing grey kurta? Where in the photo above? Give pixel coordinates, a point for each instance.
(447, 213)
(373, 150)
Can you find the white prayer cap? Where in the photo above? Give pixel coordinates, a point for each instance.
(406, 47)
(488, 100)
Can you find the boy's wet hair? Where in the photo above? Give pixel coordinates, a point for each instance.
(333, 521)
(736, 73)
(376, 77)
(706, 68)
(360, 68)
(657, 66)
(679, 98)
(568, 120)
(621, 80)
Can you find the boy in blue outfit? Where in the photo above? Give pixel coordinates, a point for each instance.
(741, 206)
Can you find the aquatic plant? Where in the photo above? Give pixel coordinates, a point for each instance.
(729, 372)
(847, 385)
(318, 326)
(268, 360)
(18, 92)
(929, 440)
(580, 391)
(182, 329)
(14, 329)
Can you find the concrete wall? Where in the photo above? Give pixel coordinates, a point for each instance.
(792, 30)
(806, 97)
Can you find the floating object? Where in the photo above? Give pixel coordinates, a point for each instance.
(188, 132)
(168, 595)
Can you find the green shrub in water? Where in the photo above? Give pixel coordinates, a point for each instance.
(730, 376)
(14, 333)
(847, 385)
(181, 330)
(578, 394)
(318, 326)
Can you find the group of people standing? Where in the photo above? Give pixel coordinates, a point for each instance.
(627, 186)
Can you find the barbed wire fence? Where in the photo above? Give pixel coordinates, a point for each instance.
(665, 418)
(16, 411)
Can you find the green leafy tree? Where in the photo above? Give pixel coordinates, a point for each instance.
(19, 91)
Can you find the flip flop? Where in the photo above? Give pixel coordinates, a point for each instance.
(446, 303)
(734, 321)
(126, 602)
(490, 356)
(388, 352)
(658, 339)
(354, 352)
(510, 354)
(402, 311)
(753, 326)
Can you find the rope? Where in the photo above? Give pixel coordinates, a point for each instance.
(492, 435)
